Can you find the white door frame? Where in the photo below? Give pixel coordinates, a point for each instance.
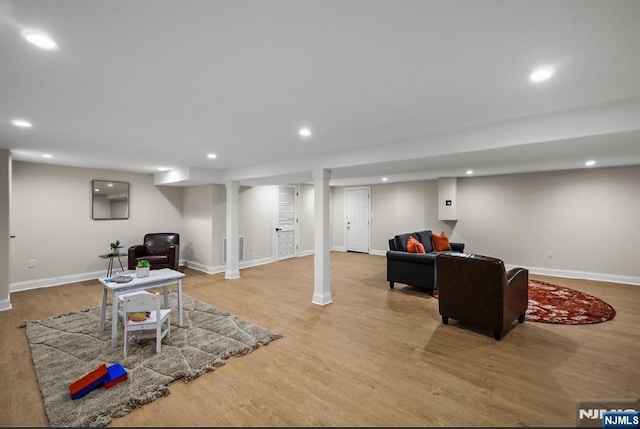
(357, 188)
(296, 229)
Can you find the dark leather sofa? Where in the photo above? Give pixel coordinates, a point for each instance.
(414, 269)
(478, 291)
(161, 249)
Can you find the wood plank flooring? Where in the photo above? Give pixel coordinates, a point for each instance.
(374, 357)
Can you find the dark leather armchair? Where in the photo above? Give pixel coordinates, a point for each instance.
(161, 249)
(477, 290)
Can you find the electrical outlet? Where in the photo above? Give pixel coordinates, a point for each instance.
(549, 254)
(32, 263)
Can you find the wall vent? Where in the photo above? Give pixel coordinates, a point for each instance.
(240, 249)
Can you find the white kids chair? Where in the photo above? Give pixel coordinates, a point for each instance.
(155, 317)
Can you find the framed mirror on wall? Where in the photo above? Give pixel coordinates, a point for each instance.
(109, 200)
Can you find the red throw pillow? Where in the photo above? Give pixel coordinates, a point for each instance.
(440, 242)
(414, 246)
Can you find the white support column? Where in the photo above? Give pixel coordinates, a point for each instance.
(321, 257)
(232, 271)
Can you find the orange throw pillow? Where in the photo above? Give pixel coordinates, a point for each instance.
(414, 246)
(440, 242)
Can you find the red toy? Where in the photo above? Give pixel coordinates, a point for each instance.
(102, 375)
(87, 383)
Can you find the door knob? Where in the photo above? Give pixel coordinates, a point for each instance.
(278, 229)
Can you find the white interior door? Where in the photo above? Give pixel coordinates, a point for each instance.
(358, 214)
(286, 220)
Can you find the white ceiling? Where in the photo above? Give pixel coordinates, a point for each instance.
(404, 89)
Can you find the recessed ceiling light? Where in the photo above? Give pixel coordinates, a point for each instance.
(21, 123)
(469, 172)
(304, 132)
(110, 185)
(541, 74)
(164, 168)
(212, 156)
(40, 39)
(47, 155)
(590, 163)
(384, 179)
(97, 190)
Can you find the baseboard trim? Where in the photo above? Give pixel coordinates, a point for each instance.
(62, 280)
(332, 249)
(322, 299)
(255, 262)
(5, 305)
(570, 274)
(204, 268)
(232, 274)
(55, 281)
(338, 249)
(74, 278)
(222, 268)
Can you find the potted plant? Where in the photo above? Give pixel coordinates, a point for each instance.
(142, 268)
(115, 247)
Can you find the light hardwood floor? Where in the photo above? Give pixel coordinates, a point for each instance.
(374, 357)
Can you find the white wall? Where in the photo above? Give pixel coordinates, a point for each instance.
(51, 219)
(198, 221)
(205, 225)
(588, 218)
(404, 207)
(204, 222)
(255, 221)
(395, 208)
(219, 230)
(336, 214)
(306, 213)
(5, 241)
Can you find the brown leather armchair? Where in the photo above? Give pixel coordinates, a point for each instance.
(477, 290)
(161, 249)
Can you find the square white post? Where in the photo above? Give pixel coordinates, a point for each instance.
(321, 257)
(232, 271)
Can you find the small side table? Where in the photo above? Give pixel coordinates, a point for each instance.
(110, 257)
